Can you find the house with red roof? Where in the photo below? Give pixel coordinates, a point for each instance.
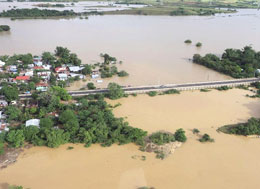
(22, 78)
(38, 68)
(61, 69)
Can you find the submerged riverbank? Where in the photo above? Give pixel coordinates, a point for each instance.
(228, 162)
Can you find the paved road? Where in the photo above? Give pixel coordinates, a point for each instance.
(211, 84)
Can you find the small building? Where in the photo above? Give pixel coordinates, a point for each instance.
(22, 78)
(75, 75)
(2, 63)
(29, 73)
(38, 68)
(62, 77)
(38, 63)
(44, 74)
(75, 68)
(32, 122)
(42, 87)
(30, 66)
(3, 103)
(60, 69)
(12, 68)
(37, 59)
(3, 126)
(94, 76)
(46, 67)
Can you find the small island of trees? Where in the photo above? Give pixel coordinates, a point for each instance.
(4, 28)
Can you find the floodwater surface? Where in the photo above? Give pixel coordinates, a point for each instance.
(229, 162)
(151, 47)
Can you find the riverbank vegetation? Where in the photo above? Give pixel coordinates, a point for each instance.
(251, 127)
(233, 62)
(4, 28)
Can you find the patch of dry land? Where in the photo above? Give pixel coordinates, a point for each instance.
(229, 162)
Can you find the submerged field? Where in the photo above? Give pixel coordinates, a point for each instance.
(229, 162)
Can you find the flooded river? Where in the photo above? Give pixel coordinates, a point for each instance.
(229, 162)
(151, 47)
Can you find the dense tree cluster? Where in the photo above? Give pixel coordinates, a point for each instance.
(234, 62)
(34, 13)
(88, 121)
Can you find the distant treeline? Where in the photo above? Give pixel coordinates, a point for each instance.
(20, 13)
(4, 28)
(59, 5)
(234, 62)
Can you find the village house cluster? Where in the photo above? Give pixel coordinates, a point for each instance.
(38, 69)
(42, 71)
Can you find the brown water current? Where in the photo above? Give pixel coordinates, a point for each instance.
(229, 162)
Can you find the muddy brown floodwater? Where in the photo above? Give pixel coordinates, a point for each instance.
(151, 47)
(229, 162)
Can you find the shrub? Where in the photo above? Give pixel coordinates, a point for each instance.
(188, 41)
(204, 90)
(206, 138)
(91, 86)
(122, 73)
(152, 93)
(171, 91)
(199, 44)
(223, 88)
(180, 135)
(195, 131)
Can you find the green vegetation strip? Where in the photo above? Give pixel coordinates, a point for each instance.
(233, 62)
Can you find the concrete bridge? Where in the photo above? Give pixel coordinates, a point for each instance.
(181, 87)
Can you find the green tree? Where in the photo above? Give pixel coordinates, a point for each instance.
(180, 135)
(15, 138)
(115, 91)
(56, 137)
(61, 92)
(46, 123)
(91, 86)
(13, 113)
(87, 69)
(10, 93)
